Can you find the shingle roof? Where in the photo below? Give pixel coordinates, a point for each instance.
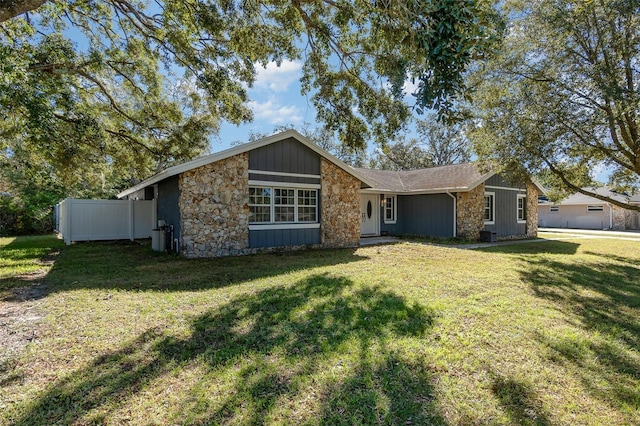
(579, 198)
(457, 177)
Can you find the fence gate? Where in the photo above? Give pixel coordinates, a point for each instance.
(100, 220)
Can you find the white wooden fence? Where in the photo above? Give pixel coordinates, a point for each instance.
(100, 220)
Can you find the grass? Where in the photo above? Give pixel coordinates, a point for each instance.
(25, 258)
(542, 334)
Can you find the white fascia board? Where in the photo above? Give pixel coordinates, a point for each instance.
(417, 192)
(482, 179)
(202, 161)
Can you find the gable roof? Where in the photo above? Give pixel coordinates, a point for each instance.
(453, 178)
(579, 198)
(202, 161)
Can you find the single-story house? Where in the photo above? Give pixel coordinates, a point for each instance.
(448, 201)
(581, 211)
(284, 191)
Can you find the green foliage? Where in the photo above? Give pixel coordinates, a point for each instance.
(440, 144)
(563, 93)
(121, 89)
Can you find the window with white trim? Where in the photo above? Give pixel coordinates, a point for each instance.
(307, 205)
(390, 209)
(598, 208)
(282, 205)
(284, 201)
(522, 208)
(259, 205)
(489, 208)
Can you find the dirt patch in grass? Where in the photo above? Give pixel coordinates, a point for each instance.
(25, 265)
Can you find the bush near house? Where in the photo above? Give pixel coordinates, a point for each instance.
(540, 333)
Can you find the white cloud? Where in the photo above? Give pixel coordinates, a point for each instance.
(410, 88)
(274, 113)
(278, 78)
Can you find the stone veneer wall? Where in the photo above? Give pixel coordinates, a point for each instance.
(532, 210)
(470, 213)
(619, 218)
(214, 208)
(340, 207)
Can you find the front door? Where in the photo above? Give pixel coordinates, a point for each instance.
(369, 211)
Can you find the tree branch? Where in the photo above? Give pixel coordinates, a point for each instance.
(12, 8)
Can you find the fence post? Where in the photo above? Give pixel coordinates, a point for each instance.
(68, 207)
(131, 221)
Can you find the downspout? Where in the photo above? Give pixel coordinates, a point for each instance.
(610, 216)
(455, 214)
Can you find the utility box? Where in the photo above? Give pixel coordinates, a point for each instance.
(488, 236)
(158, 240)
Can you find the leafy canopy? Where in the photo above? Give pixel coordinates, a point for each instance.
(136, 85)
(563, 96)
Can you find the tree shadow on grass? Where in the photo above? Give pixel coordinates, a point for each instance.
(603, 299)
(134, 266)
(272, 348)
(518, 400)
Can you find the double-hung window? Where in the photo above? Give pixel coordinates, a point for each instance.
(284, 205)
(489, 208)
(259, 205)
(273, 205)
(390, 209)
(522, 208)
(307, 205)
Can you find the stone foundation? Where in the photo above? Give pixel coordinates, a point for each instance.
(214, 208)
(340, 207)
(470, 213)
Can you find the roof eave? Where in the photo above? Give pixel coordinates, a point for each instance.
(202, 161)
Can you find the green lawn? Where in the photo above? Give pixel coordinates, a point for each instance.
(543, 333)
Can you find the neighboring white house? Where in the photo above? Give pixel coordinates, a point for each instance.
(585, 212)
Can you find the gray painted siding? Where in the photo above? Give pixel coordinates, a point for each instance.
(283, 237)
(288, 156)
(168, 195)
(506, 208)
(428, 215)
(283, 179)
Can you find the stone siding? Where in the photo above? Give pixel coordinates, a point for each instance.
(619, 218)
(340, 207)
(470, 213)
(214, 208)
(532, 210)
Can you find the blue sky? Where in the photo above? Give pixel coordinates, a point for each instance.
(275, 99)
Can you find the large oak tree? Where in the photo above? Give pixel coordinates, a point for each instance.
(562, 97)
(101, 93)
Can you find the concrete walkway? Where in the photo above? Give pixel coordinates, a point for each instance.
(372, 241)
(568, 234)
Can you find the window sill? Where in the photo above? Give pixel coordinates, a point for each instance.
(489, 223)
(390, 222)
(270, 226)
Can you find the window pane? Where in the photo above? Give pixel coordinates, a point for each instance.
(284, 196)
(259, 214)
(307, 214)
(488, 208)
(284, 214)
